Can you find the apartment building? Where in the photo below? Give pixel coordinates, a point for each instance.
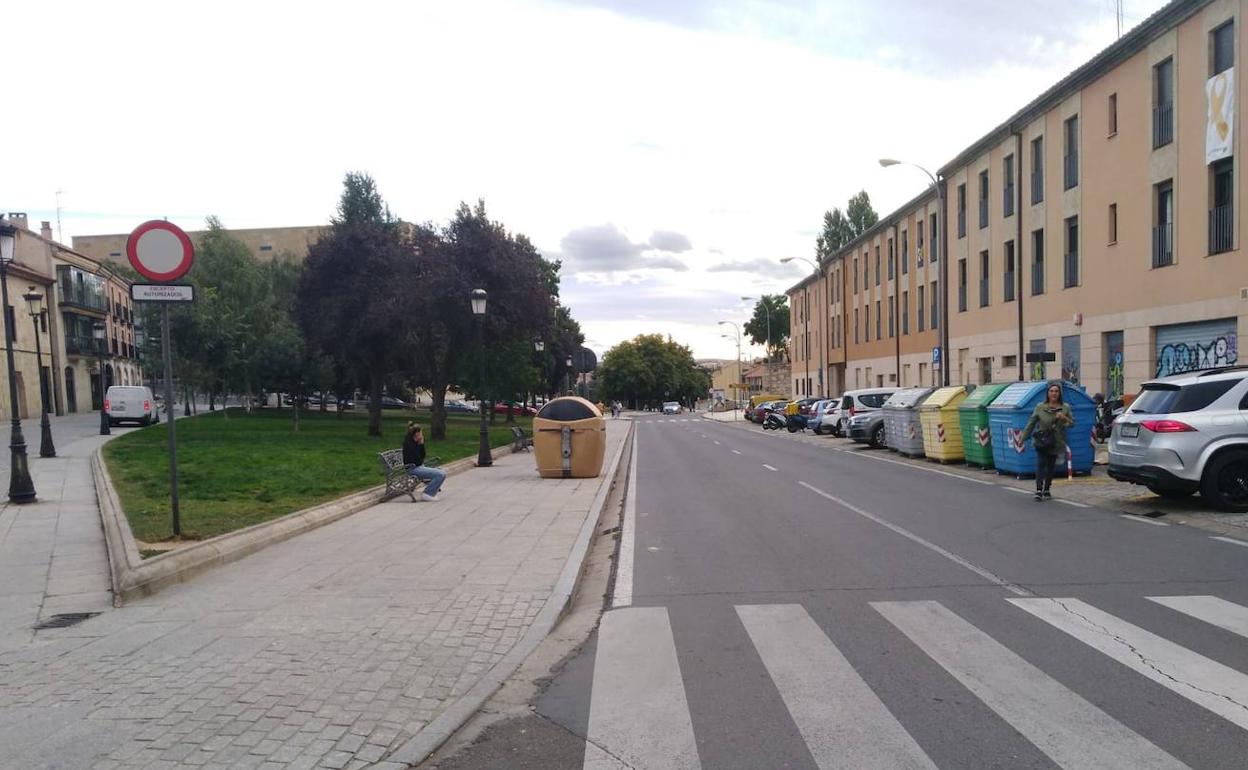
(265, 243)
(1100, 224)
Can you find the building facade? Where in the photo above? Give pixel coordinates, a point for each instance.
(265, 243)
(1100, 224)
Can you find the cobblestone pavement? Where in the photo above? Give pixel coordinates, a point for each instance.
(328, 650)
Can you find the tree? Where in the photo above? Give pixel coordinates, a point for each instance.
(769, 325)
(841, 228)
(649, 370)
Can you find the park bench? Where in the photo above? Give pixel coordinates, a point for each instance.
(522, 442)
(398, 480)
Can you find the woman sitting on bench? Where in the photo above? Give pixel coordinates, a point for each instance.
(414, 458)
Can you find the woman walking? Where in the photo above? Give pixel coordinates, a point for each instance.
(1047, 431)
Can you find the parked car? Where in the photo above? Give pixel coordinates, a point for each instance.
(131, 403)
(867, 428)
(502, 407)
(671, 407)
(760, 412)
(455, 405)
(805, 406)
(1184, 434)
(863, 400)
(390, 402)
(825, 417)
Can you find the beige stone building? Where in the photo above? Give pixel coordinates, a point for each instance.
(1100, 223)
(264, 242)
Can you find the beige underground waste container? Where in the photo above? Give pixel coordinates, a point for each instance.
(569, 439)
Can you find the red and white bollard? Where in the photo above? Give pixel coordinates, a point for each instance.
(1070, 468)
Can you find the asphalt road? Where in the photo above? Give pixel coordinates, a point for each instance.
(796, 606)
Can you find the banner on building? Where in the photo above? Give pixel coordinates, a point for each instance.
(1220, 115)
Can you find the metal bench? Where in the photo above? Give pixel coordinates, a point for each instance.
(522, 442)
(398, 480)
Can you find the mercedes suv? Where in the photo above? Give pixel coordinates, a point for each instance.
(1187, 433)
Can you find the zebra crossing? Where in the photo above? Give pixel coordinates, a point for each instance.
(639, 714)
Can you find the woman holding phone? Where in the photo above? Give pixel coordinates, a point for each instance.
(1047, 431)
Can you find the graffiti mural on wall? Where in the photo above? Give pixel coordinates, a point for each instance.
(1114, 384)
(1071, 358)
(1181, 357)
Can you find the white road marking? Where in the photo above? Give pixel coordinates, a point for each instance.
(1211, 609)
(1016, 489)
(1142, 520)
(623, 594)
(736, 451)
(1205, 682)
(1017, 590)
(768, 467)
(1067, 728)
(716, 443)
(1231, 540)
(1071, 503)
(842, 720)
(871, 456)
(638, 712)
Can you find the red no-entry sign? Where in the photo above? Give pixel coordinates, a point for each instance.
(160, 250)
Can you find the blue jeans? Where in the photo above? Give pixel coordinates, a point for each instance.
(433, 478)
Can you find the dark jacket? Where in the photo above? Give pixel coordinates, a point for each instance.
(413, 453)
(1043, 419)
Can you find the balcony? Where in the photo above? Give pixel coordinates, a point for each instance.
(1037, 188)
(81, 346)
(1070, 171)
(1037, 278)
(962, 223)
(1071, 262)
(983, 213)
(962, 298)
(1163, 124)
(1163, 244)
(983, 292)
(79, 297)
(1008, 286)
(1221, 229)
(1008, 203)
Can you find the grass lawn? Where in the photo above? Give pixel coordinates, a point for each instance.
(243, 470)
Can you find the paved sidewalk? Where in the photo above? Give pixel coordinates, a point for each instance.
(327, 650)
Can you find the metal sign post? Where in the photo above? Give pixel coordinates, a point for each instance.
(173, 434)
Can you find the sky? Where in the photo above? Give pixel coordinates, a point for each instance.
(668, 152)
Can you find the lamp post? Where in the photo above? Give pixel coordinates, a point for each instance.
(34, 301)
(806, 314)
(740, 374)
(484, 458)
(539, 346)
(568, 363)
(943, 275)
(21, 486)
(97, 331)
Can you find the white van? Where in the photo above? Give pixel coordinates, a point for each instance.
(130, 403)
(859, 401)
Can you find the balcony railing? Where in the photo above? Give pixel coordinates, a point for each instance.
(1070, 170)
(1163, 124)
(983, 212)
(962, 298)
(1163, 245)
(1008, 286)
(81, 346)
(1037, 187)
(1037, 278)
(1221, 229)
(962, 223)
(1071, 263)
(70, 295)
(1008, 207)
(983, 292)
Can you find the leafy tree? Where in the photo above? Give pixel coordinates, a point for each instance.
(650, 369)
(773, 308)
(841, 228)
(861, 215)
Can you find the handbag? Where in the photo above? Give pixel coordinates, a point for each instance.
(1043, 440)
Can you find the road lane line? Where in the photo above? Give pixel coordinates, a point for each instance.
(1142, 520)
(863, 453)
(991, 577)
(1016, 489)
(843, 722)
(768, 467)
(1070, 503)
(622, 596)
(716, 443)
(1070, 730)
(738, 451)
(638, 713)
(1214, 611)
(1203, 681)
(1231, 540)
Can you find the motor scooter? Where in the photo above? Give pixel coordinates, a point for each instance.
(1106, 412)
(792, 423)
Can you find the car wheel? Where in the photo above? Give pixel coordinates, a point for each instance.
(1225, 481)
(877, 437)
(1173, 494)
(146, 421)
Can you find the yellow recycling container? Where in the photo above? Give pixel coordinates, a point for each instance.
(942, 428)
(569, 439)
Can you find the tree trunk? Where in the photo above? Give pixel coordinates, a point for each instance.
(511, 415)
(437, 412)
(374, 403)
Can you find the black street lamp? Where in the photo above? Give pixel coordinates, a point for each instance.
(21, 486)
(568, 362)
(484, 458)
(539, 346)
(34, 300)
(97, 331)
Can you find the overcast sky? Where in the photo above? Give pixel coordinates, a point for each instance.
(670, 152)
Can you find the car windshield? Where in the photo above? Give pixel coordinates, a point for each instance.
(1163, 398)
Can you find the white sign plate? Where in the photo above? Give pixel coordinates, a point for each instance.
(162, 292)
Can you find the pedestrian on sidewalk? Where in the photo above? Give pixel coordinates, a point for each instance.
(414, 458)
(1047, 431)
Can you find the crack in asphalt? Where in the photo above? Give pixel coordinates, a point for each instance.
(1143, 658)
(585, 738)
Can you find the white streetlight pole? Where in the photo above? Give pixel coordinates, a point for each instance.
(740, 375)
(806, 314)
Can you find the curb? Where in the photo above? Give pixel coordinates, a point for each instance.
(418, 748)
(133, 576)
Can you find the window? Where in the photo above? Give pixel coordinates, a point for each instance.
(891, 260)
(919, 306)
(935, 307)
(1037, 170)
(1113, 114)
(905, 312)
(1009, 275)
(1007, 203)
(867, 331)
(879, 320)
(931, 236)
(892, 330)
(1163, 103)
(1221, 222)
(983, 199)
(983, 278)
(905, 251)
(962, 285)
(1037, 262)
(1113, 223)
(1070, 155)
(918, 253)
(1223, 48)
(1009, 362)
(855, 326)
(1174, 399)
(1071, 263)
(877, 265)
(962, 211)
(855, 275)
(1163, 230)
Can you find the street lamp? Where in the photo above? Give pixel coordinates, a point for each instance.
(21, 486)
(806, 314)
(942, 298)
(740, 374)
(34, 300)
(568, 363)
(766, 314)
(97, 331)
(539, 346)
(484, 458)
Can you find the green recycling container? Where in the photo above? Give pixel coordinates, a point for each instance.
(973, 414)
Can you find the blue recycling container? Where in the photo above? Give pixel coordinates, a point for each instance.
(1008, 415)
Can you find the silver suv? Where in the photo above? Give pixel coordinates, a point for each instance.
(1187, 433)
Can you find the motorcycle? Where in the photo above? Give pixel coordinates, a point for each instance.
(773, 421)
(792, 423)
(1106, 412)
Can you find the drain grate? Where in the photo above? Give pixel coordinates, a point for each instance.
(65, 620)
